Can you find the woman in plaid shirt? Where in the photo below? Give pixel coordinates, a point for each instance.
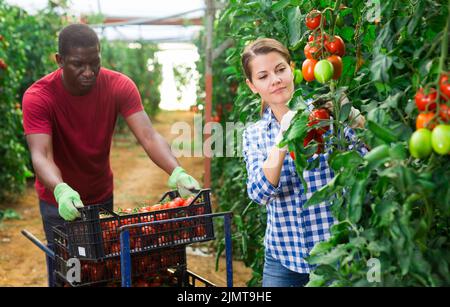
(292, 230)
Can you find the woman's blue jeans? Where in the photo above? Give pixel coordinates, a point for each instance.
(276, 275)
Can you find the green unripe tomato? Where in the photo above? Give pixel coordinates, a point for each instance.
(340, 21)
(323, 71)
(298, 76)
(420, 143)
(440, 139)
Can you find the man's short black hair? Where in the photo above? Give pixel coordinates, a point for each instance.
(76, 36)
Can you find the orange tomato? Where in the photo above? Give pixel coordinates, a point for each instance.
(308, 69)
(337, 65)
(425, 120)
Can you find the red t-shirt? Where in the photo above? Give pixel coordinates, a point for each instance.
(81, 128)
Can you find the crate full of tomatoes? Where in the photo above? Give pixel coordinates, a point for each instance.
(96, 235)
(147, 269)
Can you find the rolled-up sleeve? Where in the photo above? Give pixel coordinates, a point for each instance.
(355, 143)
(259, 188)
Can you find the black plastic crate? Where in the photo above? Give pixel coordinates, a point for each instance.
(95, 237)
(147, 269)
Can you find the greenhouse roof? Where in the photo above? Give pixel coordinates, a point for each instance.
(151, 20)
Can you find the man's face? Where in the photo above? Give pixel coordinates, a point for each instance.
(80, 69)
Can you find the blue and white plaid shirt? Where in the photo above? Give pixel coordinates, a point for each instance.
(292, 231)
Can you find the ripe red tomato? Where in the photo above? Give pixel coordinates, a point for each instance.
(144, 209)
(156, 207)
(444, 87)
(335, 45)
(309, 137)
(319, 140)
(127, 211)
(179, 201)
(424, 120)
(312, 52)
(313, 19)
(172, 204)
(444, 112)
(165, 206)
(337, 65)
(308, 69)
(316, 116)
(424, 101)
(314, 135)
(292, 154)
(189, 200)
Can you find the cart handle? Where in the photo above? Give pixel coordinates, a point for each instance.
(38, 243)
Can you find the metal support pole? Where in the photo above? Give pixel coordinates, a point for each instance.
(228, 250)
(125, 258)
(208, 88)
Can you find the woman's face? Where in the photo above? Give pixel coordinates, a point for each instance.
(272, 78)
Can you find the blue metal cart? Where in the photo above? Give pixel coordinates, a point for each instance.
(125, 252)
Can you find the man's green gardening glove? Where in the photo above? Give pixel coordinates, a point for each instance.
(68, 201)
(183, 182)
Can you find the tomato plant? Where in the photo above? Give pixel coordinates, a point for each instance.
(391, 207)
(24, 58)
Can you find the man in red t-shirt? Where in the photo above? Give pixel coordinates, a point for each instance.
(69, 118)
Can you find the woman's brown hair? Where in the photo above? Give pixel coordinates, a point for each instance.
(258, 47)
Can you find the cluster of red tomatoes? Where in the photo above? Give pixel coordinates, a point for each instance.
(432, 123)
(153, 235)
(323, 53)
(175, 203)
(315, 117)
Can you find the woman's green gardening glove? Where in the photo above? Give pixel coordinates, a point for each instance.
(68, 201)
(183, 182)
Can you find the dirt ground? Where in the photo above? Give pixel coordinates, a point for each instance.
(136, 178)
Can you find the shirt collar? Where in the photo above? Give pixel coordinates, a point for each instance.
(268, 117)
